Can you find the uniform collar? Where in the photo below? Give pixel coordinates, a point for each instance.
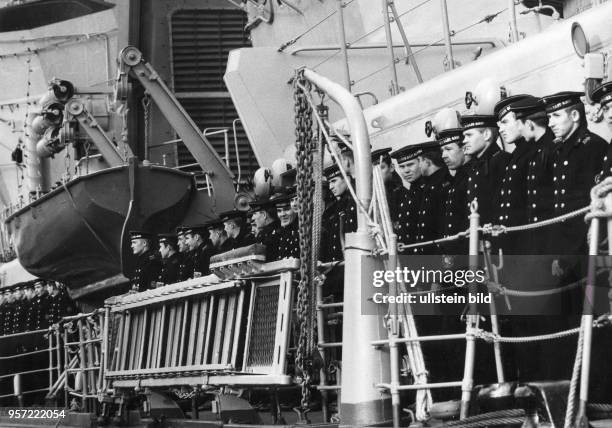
(437, 177)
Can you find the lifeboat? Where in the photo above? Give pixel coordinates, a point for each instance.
(75, 233)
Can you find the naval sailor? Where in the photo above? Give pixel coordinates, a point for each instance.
(168, 246)
(148, 265)
(238, 231)
(267, 225)
(404, 212)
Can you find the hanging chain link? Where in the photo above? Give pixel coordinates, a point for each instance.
(305, 144)
(146, 105)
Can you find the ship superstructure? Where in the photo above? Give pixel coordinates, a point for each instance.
(152, 114)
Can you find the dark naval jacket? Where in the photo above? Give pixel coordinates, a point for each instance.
(405, 211)
(484, 177)
(577, 162)
(269, 236)
(288, 241)
(455, 212)
(243, 239)
(430, 217)
(338, 219)
(169, 273)
(146, 271)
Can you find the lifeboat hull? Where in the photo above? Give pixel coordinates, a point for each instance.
(74, 233)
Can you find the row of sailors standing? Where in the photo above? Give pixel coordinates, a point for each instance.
(554, 164)
(33, 306)
(187, 253)
(272, 222)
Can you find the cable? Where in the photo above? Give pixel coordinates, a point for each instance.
(363, 36)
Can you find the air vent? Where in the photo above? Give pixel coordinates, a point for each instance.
(201, 41)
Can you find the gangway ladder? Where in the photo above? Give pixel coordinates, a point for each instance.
(467, 383)
(325, 348)
(83, 337)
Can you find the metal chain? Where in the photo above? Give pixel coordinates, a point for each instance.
(305, 144)
(146, 105)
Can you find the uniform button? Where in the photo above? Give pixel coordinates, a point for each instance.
(534, 192)
(501, 217)
(556, 205)
(556, 191)
(535, 219)
(563, 177)
(476, 185)
(509, 191)
(562, 205)
(555, 165)
(554, 178)
(513, 166)
(563, 191)
(565, 163)
(533, 205)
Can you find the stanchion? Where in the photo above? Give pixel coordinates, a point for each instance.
(499, 366)
(471, 319)
(587, 324)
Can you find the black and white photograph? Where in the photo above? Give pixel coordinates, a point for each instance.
(283, 213)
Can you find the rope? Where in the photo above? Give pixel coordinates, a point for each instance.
(495, 230)
(570, 411)
(491, 337)
(543, 223)
(495, 287)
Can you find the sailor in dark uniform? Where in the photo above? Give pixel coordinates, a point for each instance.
(487, 165)
(603, 95)
(148, 265)
(455, 212)
(404, 211)
(41, 300)
(3, 309)
(578, 159)
(7, 312)
(267, 224)
(288, 240)
(60, 304)
(200, 249)
(238, 231)
(169, 273)
(339, 218)
(19, 310)
(430, 218)
(185, 269)
(392, 181)
(531, 114)
(512, 193)
(217, 236)
(29, 307)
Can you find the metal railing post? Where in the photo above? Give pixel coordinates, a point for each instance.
(471, 319)
(389, 39)
(343, 50)
(447, 34)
